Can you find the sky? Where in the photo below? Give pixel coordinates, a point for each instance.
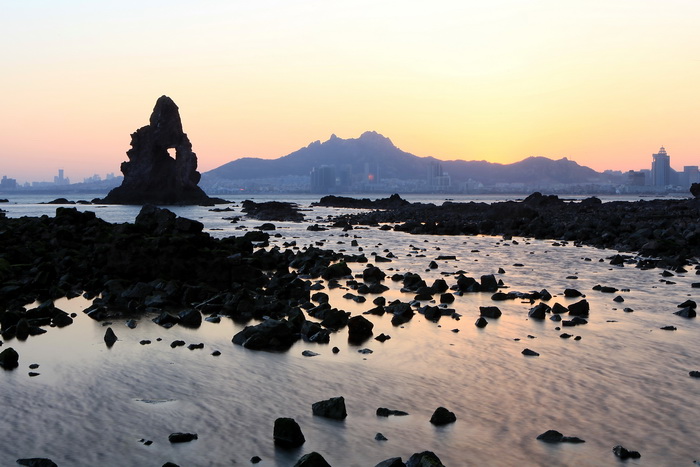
(602, 82)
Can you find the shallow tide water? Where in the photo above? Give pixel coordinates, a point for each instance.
(624, 382)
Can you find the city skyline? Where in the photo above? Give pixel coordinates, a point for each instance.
(601, 83)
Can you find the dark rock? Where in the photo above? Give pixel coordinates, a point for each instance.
(530, 353)
(151, 175)
(688, 303)
(309, 353)
(489, 283)
(177, 343)
(623, 453)
(481, 322)
(255, 460)
(490, 312)
(424, 459)
(274, 211)
(287, 433)
(9, 359)
(572, 293)
(382, 337)
(190, 318)
(694, 374)
(553, 436)
(110, 338)
(384, 412)
(196, 346)
(580, 308)
(331, 408)
(686, 312)
(668, 328)
(392, 462)
(182, 437)
(373, 274)
(271, 334)
(312, 459)
(442, 416)
(336, 271)
(37, 462)
(402, 312)
(359, 329)
(447, 298)
(539, 311)
(166, 320)
(380, 437)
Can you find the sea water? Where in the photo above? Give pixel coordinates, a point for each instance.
(624, 382)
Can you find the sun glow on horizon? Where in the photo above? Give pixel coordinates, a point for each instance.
(604, 83)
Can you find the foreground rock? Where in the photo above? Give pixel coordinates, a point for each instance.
(553, 436)
(442, 416)
(151, 175)
(331, 408)
(623, 453)
(37, 462)
(312, 459)
(9, 359)
(287, 433)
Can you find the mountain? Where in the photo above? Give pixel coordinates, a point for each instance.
(374, 153)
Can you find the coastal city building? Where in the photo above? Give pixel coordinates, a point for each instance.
(661, 172)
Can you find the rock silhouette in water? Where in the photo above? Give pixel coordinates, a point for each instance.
(151, 175)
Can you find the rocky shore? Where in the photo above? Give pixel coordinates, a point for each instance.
(666, 230)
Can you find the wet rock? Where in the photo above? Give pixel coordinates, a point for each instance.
(694, 374)
(490, 312)
(309, 353)
(481, 322)
(166, 320)
(255, 460)
(182, 437)
(686, 312)
(530, 353)
(668, 328)
(312, 459)
(392, 462)
(553, 436)
(331, 408)
(572, 293)
(336, 271)
(424, 459)
(402, 312)
(190, 318)
(447, 298)
(271, 334)
(580, 308)
(384, 412)
(287, 433)
(380, 437)
(382, 337)
(539, 311)
(442, 416)
(359, 329)
(196, 346)
(177, 343)
(373, 274)
(110, 338)
(335, 319)
(9, 359)
(37, 462)
(623, 453)
(489, 283)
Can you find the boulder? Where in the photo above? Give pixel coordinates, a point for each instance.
(481, 322)
(553, 437)
(312, 459)
(490, 312)
(9, 359)
(489, 283)
(539, 311)
(359, 329)
(110, 338)
(182, 437)
(190, 318)
(392, 462)
(37, 462)
(331, 408)
(424, 459)
(442, 416)
(373, 274)
(271, 334)
(580, 308)
(151, 175)
(287, 433)
(623, 453)
(687, 312)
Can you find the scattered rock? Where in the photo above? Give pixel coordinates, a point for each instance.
(442, 416)
(312, 459)
(110, 338)
(384, 412)
(490, 312)
(481, 322)
(380, 437)
(9, 359)
(287, 433)
(37, 462)
(530, 353)
(331, 408)
(623, 453)
(424, 459)
(553, 436)
(182, 437)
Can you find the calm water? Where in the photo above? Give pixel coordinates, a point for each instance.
(625, 382)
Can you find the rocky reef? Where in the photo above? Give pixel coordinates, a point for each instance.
(152, 175)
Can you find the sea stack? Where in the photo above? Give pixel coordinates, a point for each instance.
(151, 175)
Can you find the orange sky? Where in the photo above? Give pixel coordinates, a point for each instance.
(604, 83)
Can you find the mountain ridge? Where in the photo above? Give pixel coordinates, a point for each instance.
(375, 153)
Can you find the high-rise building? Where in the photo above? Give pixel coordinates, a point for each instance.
(661, 168)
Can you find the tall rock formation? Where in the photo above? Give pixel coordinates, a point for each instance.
(151, 175)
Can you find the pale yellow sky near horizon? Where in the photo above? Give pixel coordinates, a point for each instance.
(604, 83)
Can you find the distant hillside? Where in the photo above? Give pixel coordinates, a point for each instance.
(377, 154)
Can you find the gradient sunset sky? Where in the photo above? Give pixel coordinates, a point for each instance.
(604, 83)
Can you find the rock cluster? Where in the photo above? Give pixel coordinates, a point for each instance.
(152, 175)
(657, 228)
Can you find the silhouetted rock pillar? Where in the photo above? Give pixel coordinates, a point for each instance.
(151, 175)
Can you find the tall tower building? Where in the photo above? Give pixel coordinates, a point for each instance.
(661, 168)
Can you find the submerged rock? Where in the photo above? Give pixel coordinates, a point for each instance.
(553, 436)
(37, 462)
(623, 453)
(182, 437)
